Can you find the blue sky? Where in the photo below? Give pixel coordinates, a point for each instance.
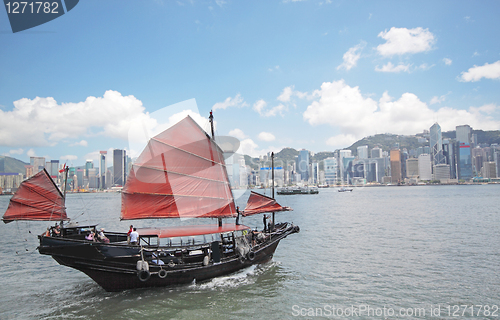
(306, 74)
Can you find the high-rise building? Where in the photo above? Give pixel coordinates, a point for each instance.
(119, 167)
(489, 170)
(54, 169)
(102, 169)
(330, 166)
(496, 158)
(424, 167)
(38, 163)
(464, 134)
(395, 156)
(442, 172)
(315, 172)
(376, 152)
(436, 142)
(303, 165)
(465, 162)
(363, 152)
(88, 165)
(412, 168)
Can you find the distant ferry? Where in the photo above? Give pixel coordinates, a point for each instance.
(298, 190)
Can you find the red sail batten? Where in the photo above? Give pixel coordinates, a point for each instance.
(258, 203)
(37, 199)
(180, 173)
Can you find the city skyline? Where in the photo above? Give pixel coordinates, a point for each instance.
(315, 74)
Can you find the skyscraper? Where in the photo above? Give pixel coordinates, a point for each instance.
(119, 167)
(465, 164)
(396, 166)
(436, 142)
(464, 134)
(363, 152)
(102, 169)
(303, 165)
(424, 167)
(330, 166)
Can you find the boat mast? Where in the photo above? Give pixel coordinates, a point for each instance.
(211, 119)
(66, 170)
(272, 177)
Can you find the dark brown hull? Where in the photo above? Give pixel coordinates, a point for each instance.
(114, 267)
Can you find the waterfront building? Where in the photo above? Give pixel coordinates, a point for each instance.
(449, 154)
(10, 181)
(80, 174)
(465, 162)
(442, 172)
(346, 167)
(315, 172)
(119, 167)
(395, 157)
(93, 178)
(412, 168)
(330, 166)
(54, 169)
(265, 176)
(489, 170)
(303, 165)
(436, 142)
(102, 169)
(496, 158)
(363, 152)
(424, 167)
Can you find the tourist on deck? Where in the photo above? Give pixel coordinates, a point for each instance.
(102, 237)
(134, 237)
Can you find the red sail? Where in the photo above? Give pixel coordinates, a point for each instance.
(258, 203)
(180, 173)
(37, 199)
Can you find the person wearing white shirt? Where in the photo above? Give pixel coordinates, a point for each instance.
(134, 237)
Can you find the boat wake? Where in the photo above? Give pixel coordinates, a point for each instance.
(243, 277)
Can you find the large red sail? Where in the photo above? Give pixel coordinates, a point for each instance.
(37, 199)
(180, 173)
(258, 203)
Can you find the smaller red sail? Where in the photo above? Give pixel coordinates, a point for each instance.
(258, 203)
(37, 199)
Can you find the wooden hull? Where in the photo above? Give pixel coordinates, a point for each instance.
(114, 266)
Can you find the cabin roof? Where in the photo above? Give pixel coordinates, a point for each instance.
(186, 231)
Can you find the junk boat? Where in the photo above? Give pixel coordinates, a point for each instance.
(180, 174)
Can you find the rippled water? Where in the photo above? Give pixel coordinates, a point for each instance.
(399, 248)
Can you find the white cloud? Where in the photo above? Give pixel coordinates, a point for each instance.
(237, 101)
(16, 151)
(488, 71)
(220, 3)
(389, 67)
(355, 115)
(31, 153)
(352, 56)
(266, 136)
(286, 94)
(261, 108)
(437, 99)
(447, 61)
(275, 68)
(82, 143)
(45, 122)
(402, 41)
(238, 133)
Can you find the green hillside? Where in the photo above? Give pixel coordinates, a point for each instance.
(12, 165)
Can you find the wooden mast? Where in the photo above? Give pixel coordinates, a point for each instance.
(211, 119)
(272, 177)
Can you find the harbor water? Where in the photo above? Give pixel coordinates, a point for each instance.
(422, 252)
